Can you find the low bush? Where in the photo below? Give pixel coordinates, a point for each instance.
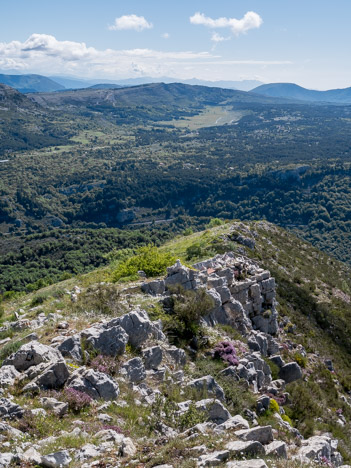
(106, 364)
(148, 259)
(225, 350)
(77, 401)
(273, 406)
(182, 322)
(301, 360)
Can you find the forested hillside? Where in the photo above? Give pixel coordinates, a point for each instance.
(164, 157)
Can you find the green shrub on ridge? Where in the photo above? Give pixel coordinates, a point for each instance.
(148, 259)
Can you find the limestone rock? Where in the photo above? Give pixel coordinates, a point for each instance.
(8, 375)
(134, 370)
(138, 327)
(239, 447)
(276, 449)
(9, 409)
(48, 375)
(213, 459)
(6, 458)
(155, 288)
(110, 342)
(71, 348)
(96, 384)
(57, 407)
(208, 386)
(290, 372)
(262, 434)
(177, 355)
(236, 422)
(214, 409)
(32, 354)
(31, 456)
(56, 460)
(152, 357)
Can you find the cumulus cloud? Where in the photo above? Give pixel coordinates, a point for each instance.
(138, 23)
(250, 20)
(45, 54)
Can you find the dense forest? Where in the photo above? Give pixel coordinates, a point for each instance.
(134, 169)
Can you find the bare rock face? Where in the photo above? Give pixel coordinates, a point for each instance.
(9, 409)
(243, 293)
(138, 327)
(239, 448)
(96, 384)
(290, 372)
(207, 385)
(32, 354)
(8, 375)
(51, 375)
(318, 447)
(134, 370)
(110, 342)
(56, 460)
(262, 434)
(71, 348)
(152, 357)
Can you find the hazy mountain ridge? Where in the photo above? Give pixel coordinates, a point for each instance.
(293, 91)
(30, 83)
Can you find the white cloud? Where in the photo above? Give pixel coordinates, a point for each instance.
(44, 54)
(165, 35)
(218, 38)
(138, 23)
(250, 20)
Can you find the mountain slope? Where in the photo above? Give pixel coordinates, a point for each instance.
(30, 83)
(293, 91)
(24, 124)
(157, 400)
(153, 102)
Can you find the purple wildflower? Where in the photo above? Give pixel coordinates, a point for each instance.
(77, 400)
(225, 350)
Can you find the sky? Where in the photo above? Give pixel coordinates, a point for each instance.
(301, 41)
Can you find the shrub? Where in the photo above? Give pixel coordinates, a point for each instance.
(77, 401)
(106, 364)
(301, 360)
(273, 406)
(225, 350)
(186, 310)
(274, 369)
(191, 417)
(194, 251)
(148, 259)
(286, 418)
(215, 222)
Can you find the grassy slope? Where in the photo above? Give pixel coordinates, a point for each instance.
(313, 293)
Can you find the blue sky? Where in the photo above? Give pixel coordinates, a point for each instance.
(306, 42)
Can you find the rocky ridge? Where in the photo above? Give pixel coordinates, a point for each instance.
(73, 377)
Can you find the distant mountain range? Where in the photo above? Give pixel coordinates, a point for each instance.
(293, 91)
(40, 83)
(245, 85)
(31, 83)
